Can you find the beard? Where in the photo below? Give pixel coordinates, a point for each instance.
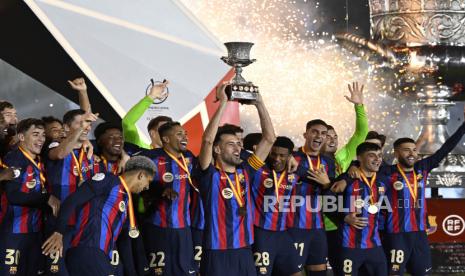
(232, 160)
(405, 163)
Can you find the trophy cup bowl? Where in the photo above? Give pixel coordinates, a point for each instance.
(239, 56)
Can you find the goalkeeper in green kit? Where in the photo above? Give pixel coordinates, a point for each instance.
(343, 158)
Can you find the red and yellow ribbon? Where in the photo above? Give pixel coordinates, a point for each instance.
(37, 165)
(183, 166)
(132, 218)
(414, 190)
(369, 184)
(277, 183)
(310, 160)
(79, 162)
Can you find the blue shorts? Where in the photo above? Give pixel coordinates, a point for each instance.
(371, 261)
(197, 236)
(20, 254)
(169, 251)
(88, 261)
(230, 262)
(274, 251)
(408, 251)
(311, 245)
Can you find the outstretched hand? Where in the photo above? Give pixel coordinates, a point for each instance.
(158, 90)
(78, 84)
(221, 93)
(356, 93)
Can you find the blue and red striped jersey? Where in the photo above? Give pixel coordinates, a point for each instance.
(226, 226)
(269, 215)
(309, 215)
(102, 211)
(25, 196)
(164, 212)
(196, 211)
(63, 175)
(357, 189)
(108, 166)
(409, 214)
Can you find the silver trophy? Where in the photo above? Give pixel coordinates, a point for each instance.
(239, 56)
(421, 44)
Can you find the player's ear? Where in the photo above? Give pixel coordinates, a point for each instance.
(21, 137)
(165, 139)
(66, 127)
(216, 149)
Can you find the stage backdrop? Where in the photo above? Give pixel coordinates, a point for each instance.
(120, 45)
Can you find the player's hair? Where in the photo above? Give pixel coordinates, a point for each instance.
(50, 119)
(4, 105)
(251, 140)
(26, 124)
(403, 140)
(316, 122)
(69, 116)
(103, 127)
(367, 146)
(330, 127)
(222, 132)
(164, 129)
(153, 124)
(284, 142)
(142, 163)
(375, 135)
(236, 129)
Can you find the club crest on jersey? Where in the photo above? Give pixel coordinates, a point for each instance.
(241, 177)
(419, 176)
(168, 177)
(13, 270)
(227, 193)
(268, 183)
(54, 268)
(122, 206)
(291, 178)
(359, 203)
(31, 184)
(398, 185)
(98, 177)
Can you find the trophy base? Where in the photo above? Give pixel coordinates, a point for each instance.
(242, 93)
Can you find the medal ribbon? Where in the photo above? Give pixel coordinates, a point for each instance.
(37, 165)
(413, 192)
(370, 184)
(277, 183)
(183, 166)
(237, 191)
(132, 218)
(79, 162)
(113, 169)
(310, 160)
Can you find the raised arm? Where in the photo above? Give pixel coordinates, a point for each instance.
(130, 132)
(347, 153)
(79, 85)
(68, 144)
(269, 137)
(206, 150)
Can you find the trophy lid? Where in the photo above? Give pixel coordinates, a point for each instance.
(239, 50)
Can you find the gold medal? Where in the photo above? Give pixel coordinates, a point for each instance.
(122, 206)
(227, 193)
(31, 184)
(168, 177)
(398, 185)
(268, 183)
(133, 232)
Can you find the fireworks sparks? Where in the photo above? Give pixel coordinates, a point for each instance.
(302, 74)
